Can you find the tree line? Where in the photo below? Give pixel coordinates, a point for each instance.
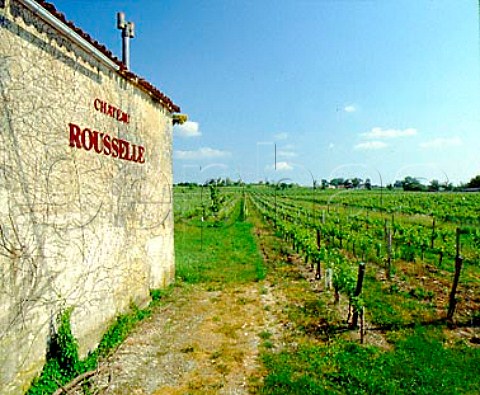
(409, 183)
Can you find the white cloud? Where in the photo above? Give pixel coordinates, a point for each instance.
(188, 129)
(286, 151)
(350, 108)
(281, 136)
(201, 153)
(331, 146)
(442, 142)
(282, 166)
(370, 145)
(379, 133)
(286, 154)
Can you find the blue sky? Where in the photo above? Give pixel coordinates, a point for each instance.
(343, 88)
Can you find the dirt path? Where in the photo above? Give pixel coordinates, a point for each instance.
(199, 342)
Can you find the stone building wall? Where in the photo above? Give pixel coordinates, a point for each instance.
(85, 192)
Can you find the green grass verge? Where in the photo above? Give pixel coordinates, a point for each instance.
(419, 364)
(217, 252)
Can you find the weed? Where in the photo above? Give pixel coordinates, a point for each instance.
(63, 362)
(419, 364)
(421, 294)
(216, 355)
(268, 344)
(64, 347)
(265, 335)
(243, 301)
(159, 294)
(62, 359)
(394, 288)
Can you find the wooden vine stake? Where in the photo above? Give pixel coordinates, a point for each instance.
(458, 268)
(358, 291)
(362, 326)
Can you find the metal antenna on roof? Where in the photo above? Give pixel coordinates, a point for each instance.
(128, 32)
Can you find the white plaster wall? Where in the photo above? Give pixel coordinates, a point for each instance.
(79, 229)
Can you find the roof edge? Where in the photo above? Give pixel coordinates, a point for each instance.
(103, 53)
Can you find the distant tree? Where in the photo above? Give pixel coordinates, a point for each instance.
(324, 183)
(474, 182)
(389, 187)
(448, 186)
(412, 184)
(368, 184)
(434, 186)
(356, 182)
(337, 181)
(460, 187)
(348, 184)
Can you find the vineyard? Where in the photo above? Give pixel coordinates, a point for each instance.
(414, 251)
(399, 272)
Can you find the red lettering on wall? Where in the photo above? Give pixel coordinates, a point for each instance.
(133, 153)
(87, 142)
(114, 147)
(111, 111)
(75, 133)
(97, 104)
(102, 143)
(107, 148)
(122, 149)
(140, 158)
(97, 142)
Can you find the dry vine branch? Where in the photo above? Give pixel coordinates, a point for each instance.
(77, 380)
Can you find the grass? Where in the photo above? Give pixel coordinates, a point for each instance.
(390, 308)
(418, 364)
(217, 252)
